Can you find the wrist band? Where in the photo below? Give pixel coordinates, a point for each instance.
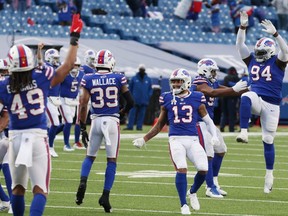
(275, 34)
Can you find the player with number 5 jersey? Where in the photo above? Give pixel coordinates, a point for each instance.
(25, 94)
(266, 73)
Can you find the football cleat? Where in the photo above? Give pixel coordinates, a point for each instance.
(268, 183)
(67, 148)
(221, 191)
(213, 193)
(10, 210)
(193, 200)
(185, 210)
(5, 206)
(52, 152)
(80, 193)
(104, 201)
(242, 137)
(78, 145)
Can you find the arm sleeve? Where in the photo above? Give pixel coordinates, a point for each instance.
(210, 125)
(129, 101)
(240, 44)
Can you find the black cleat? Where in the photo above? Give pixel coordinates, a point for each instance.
(80, 193)
(104, 201)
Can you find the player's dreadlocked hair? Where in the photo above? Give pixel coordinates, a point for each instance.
(19, 80)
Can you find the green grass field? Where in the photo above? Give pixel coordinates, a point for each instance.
(144, 184)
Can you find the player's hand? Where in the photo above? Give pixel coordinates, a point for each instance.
(243, 18)
(215, 141)
(40, 45)
(239, 86)
(138, 143)
(268, 27)
(76, 26)
(84, 135)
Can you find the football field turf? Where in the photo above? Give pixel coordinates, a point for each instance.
(144, 183)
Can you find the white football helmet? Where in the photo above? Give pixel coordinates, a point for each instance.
(105, 59)
(264, 49)
(207, 67)
(52, 56)
(89, 58)
(21, 58)
(74, 72)
(184, 76)
(4, 64)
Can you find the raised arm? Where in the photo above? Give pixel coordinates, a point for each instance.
(240, 41)
(39, 54)
(64, 69)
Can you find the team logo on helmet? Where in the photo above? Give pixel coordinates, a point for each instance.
(207, 62)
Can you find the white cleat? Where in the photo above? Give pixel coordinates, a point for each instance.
(52, 152)
(78, 145)
(242, 137)
(221, 191)
(193, 200)
(68, 148)
(268, 183)
(213, 193)
(10, 210)
(185, 210)
(5, 206)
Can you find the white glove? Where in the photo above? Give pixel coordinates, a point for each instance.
(138, 143)
(239, 86)
(268, 27)
(215, 141)
(243, 18)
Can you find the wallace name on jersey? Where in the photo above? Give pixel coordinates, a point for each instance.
(104, 81)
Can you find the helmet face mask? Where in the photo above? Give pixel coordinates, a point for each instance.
(208, 68)
(180, 80)
(52, 57)
(264, 49)
(21, 59)
(90, 58)
(75, 71)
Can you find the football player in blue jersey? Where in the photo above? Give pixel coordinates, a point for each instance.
(103, 88)
(181, 108)
(266, 72)
(207, 83)
(69, 95)
(25, 94)
(90, 62)
(52, 58)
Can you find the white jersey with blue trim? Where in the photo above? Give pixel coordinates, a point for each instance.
(266, 79)
(27, 108)
(105, 89)
(183, 115)
(70, 86)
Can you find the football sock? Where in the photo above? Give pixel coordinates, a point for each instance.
(109, 175)
(209, 176)
(18, 204)
(216, 164)
(86, 166)
(269, 154)
(52, 134)
(181, 185)
(8, 180)
(66, 133)
(59, 129)
(245, 111)
(198, 181)
(3, 195)
(38, 205)
(77, 132)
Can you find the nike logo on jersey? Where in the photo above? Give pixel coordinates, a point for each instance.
(75, 30)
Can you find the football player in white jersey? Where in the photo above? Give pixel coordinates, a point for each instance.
(180, 108)
(103, 88)
(266, 72)
(207, 83)
(69, 95)
(25, 94)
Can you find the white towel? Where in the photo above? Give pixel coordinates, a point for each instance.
(105, 131)
(25, 153)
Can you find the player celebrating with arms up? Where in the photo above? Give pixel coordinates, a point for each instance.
(266, 73)
(25, 94)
